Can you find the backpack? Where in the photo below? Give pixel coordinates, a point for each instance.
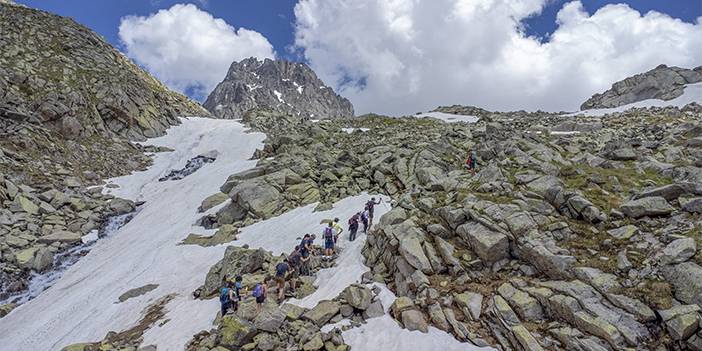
(280, 269)
(328, 233)
(294, 259)
(224, 295)
(258, 290)
(364, 215)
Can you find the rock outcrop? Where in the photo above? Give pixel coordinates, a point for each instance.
(662, 82)
(283, 86)
(58, 73)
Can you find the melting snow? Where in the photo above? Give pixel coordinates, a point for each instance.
(351, 130)
(279, 96)
(449, 117)
(692, 93)
(299, 87)
(81, 306)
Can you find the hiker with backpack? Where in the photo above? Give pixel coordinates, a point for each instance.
(295, 262)
(260, 292)
(337, 229)
(472, 161)
(353, 226)
(370, 205)
(226, 296)
(281, 272)
(328, 236)
(364, 219)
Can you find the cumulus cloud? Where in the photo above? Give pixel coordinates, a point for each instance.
(188, 49)
(404, 56)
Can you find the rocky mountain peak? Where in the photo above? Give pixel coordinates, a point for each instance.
(662, 82)
(283, 86)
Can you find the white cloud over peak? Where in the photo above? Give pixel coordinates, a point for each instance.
(188, 49)
(404, 56)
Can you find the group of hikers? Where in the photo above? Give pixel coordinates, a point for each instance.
(297, 263)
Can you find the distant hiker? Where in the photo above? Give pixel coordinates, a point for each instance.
(415, 189)
(371, 205)
(281, 272)
(305, 248)
(305, 265)
(337, 229)
(364, 219)
(353, 226)
(226, 296)
(260, 291)
(328, 236)
(472, 161)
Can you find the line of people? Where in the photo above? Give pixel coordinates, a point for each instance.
(297, 263)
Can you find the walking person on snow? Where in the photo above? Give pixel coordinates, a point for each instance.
(364, 219)
(337, 229)
(353, 226)
(328, 236)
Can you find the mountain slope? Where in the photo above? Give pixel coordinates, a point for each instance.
(59, 73)
(662, 82)
(283, 86)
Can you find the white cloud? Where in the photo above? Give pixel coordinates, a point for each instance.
(403, 56)
(188, 49)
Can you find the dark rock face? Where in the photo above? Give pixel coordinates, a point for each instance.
(662, 82)
(283, 86)
(58, 73)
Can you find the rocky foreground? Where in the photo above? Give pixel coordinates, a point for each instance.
(574, 234)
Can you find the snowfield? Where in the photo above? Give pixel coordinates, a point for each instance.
(693, 93)
(449, 117)
(82, 305)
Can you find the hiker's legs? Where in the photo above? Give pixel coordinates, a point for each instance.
(225, 307)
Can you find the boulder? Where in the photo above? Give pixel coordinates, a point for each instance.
(623, 154)
(411, 249)
(258, 197)
(470, 303)
(683, 326)
(692, 205)
(375, 309)
(119, 206)
(414, 320)
(358, 296)
(212, 201)
(648, 206)
(679, 251)
(322, 313)
(671, 192)
(395, 216)
(43, 259)
(489, 245)
(25, 258)
(235, 332)
(400, 305)
(686, 279)
(624, 233)
(27, 205)
(269, 319)
(62, 236)
(236, 261)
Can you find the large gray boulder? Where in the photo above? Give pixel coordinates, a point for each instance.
(322, 313)
(411, 249)
(358, 296)
(270, 318)
(490, 246)
(647, 206)
(662, 82)
(686, 278)
(236, 261)
(283, 86)
(258, 197)
(679, 250)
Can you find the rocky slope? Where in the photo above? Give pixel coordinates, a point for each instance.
(288, 87)
(662, 82)
(58, 73)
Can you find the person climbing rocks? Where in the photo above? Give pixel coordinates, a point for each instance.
(226, 295)
(236, 294)
(305, 251)
(281, 273)
(472, 161)
(371, 205)
(353, 226)
(295, 261)
(364, 219)
(337, 229)
(328, 236)
(260, 291)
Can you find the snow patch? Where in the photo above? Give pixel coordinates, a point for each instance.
(449, 117)
(279, 96)
(692, 93)
(299, 87)
(351, 130)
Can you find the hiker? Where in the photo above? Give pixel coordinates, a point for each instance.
(305, 250)
(236, 294)
(415, 189)
(353, 226)
(364, 219)
(371, 204)
(295, 261)
(472, 161)
(328, 235)
(281, 272)
(226, 296)
(337, 229)
(260, 292)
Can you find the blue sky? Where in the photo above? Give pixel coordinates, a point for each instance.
(274, 18)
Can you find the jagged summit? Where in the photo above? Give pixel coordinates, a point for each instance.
(60, 74)
(284, 86)
(662, 82)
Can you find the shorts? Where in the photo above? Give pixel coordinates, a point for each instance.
(280, 281)
(260, 299)
(329, 244)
